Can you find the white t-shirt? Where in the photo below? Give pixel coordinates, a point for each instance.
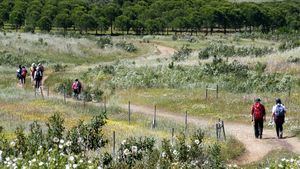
(274, 108)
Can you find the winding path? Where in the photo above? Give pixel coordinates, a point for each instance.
(256, 149)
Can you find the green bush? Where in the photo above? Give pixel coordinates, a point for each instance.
(128, 47)
(182, 54)
(103, 41)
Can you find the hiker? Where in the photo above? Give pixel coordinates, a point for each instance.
(23, 74)
(278, 113)
(41, 67)
(38, 76)
(258, 117)
(76, 86)
(32, 71)
(19, 75)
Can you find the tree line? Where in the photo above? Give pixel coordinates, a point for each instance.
(150, 16)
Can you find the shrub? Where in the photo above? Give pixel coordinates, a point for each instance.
(182, 54)
(29, 28)
(128, 47)
(288, 45)
(104, 41)
(293, 59)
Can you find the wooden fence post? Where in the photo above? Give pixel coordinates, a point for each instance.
(65, 95)
(172, 138)
(129, 112)
(223, 130)
(154, 118)
(206, 92)
(217, 91)
(186, 122)
(114, 144)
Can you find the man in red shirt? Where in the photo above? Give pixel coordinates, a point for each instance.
(258, 117)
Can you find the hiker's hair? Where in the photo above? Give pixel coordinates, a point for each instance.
(20, 66)
(76, 79)
(278, 101)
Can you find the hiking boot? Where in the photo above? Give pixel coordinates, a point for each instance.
(280, 135)
(260, 136)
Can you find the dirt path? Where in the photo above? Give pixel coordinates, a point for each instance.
(256, 149)
(165, 51)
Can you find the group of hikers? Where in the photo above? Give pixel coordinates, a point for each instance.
(258, 114)
(36, 74)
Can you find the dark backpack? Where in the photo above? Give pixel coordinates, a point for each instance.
(39, 75)
(279, 111)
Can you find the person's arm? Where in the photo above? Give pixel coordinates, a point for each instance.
(252, 112)
(264, 112)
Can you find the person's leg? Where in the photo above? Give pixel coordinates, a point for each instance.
(24, 80)
(277, 129)
(280, 128)
(261, 128)
(256, 128)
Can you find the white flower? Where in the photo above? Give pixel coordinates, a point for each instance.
(55, 140)
(163, 154)
(12, 144)
(38, 152)
(75, 165)
(60, 146)
(41, 163)
(40, 147)
(61, 141)
(134, 149)
(71, 158)
(67, 166)
(1, 152)
(62, 154)
(235, 166)
(283, 159)
(68, 143)
(280, 166)
(175, 152)
(267, 168)
(80, 161)
(89, 161)
(7, 159)
(80, 140)
(33, 160)
(123, 142)
(292, 160)
(197, 142)
(15, 159)
(50, 150)
(126, 152)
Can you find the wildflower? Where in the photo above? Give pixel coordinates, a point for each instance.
(62, 154)
(80, 161)
(283, 159)
(50, 150)
(75, 165)
(235, 166)
(280, 166)
(68, 143)
(33, 160)
(175, 152)
(12, 144)
(67, 166)
(60, 146)
(123, 142)
(7, 159)
(55, 140)
(40, 147)
(71, 158)
(41, 163)
(292, 160)
(134, 149)
(89, 161)
(163, 154)
(197, 142)
(267, 168)
(126, 152)
(61, 141)
(80, 140)
(38, 152)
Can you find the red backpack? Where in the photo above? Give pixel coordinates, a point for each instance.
(258, 111)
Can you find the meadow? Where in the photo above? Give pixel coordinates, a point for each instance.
(116, 70)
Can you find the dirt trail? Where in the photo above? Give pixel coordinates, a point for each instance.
(165, 51)
(256, 149)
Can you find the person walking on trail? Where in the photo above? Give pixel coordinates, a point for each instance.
(23, 74)
(76, 86)
(38, 76)
(32, 71)
(19, 75)
(278, 113)
(258, 113)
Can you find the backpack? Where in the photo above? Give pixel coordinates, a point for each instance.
(279, 111)
(258, 112)
(39, 75)
(24, 72)
(19, 72)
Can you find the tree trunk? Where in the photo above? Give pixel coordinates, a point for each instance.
(211, 30)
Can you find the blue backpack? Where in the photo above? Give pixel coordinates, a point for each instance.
(279, 111)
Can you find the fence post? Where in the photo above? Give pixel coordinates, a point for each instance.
(217, 91)
(186, 122)
(172, 133)
(223, 130)
(217, 131)
(129, 112)
(206, 94)
(154, 118)
(105, 104)
(65, 95)
(114, 144)
(48, 88)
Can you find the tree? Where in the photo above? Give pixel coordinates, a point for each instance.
(63, 20)
(123, 23)
(87, 22)
(16, 18)
(111, 11)
(45, 24)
